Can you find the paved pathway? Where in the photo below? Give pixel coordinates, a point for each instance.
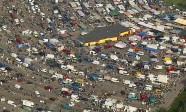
(170, 96)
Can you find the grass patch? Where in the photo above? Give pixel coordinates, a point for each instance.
(179, 104)
(181, 4)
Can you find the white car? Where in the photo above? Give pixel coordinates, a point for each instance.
(154, 60)
(159, 67)
(140, 53)
(148, 87)
(95, 62)
(81, 73)
(123, 72)
(126, 82)
(44, 70)
(4, 27)
(134, 63)
(36, 7)
(59, 17)
(16, 21)
(22, 20)
(132, 85)
(42, 15)
(141, 77)
(114, 80)
(101, 79)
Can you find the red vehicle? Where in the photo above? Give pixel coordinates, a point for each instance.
(48, 88)
(143, 97)
(66, 51)
(20, 80)
(107, 46)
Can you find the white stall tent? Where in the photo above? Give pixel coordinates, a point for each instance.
(14, 55)
(53, 41)
(163, 78)
(50, 56)
(120, 45)
(114, 57)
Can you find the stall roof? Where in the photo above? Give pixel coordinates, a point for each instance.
(97, 34)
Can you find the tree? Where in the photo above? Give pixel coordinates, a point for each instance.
(161, 109)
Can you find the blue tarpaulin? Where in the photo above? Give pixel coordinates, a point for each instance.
(52, 24)
(20, 45)
(144, 63)
(146, 7)
(142, 34)
(150, 49)
(40, 37)
(110, 66)
(92, 77)
(2, 65)
(75, 88)
(133, 55)
(30, 67)
(21, 58)
(47, 44)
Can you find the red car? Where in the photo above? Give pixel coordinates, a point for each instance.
(107, 46)
(143, 97)
(66, 51)
(48, 88)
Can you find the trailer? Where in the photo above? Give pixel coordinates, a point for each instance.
(28, 103)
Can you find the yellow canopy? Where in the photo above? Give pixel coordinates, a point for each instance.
(166, 59)
(79, 80)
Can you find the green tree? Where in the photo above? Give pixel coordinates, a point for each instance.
(161, 109)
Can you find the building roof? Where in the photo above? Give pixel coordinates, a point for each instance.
(103, 32)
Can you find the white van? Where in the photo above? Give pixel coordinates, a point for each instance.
(17, 86)
(42, 15)
(10, 102)
(37, 94)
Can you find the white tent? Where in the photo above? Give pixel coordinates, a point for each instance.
(120, 45)
(119, 105)
(28, 60)
(50, 56)
(53, 41)
(14, 55)
(114, 57)
(162, 78)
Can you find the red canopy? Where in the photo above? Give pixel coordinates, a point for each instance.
(65, 77)
(148, 36)
(66, 93)
(143, 97)
(169, 68)
(73, 23)
(184, 37)
(19, 40)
